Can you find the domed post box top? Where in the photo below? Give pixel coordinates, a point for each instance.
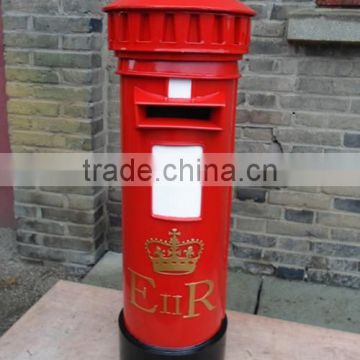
(168, 28)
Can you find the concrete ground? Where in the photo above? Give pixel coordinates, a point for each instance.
(21, 283)
(302, 302)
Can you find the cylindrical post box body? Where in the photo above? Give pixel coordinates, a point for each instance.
(179, 75)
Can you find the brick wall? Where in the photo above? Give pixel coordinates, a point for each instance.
(297, 98)
(292, 98)
(54, 71)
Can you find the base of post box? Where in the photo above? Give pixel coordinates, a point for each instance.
(132, 349)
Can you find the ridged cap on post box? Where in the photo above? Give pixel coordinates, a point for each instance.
(164, 28)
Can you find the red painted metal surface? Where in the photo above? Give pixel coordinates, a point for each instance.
(6, 194)
(175, 302)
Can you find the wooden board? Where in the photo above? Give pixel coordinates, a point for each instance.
(79, 322)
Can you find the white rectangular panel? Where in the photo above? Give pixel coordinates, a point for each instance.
(171, 196)
(180, 89)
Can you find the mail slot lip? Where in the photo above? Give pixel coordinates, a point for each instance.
(144, 99)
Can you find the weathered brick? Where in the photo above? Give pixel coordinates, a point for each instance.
(16, 57)
(93, 231)
(69, 243)
(39, 198)
(67, 60)
(115, 221)
(115, 194)
(113, 236)
(261, 10)
(343, 87)
(245, 252)
(339, 220)
(34, 6)
(256, 210)
(66, 126)
(244, 146)
(352, 191)
(85, 42)
(296, 229)
(23, 107)
(323, 67)
(262, 117)
(258, 133)
(32, 75)
(350, 205)
(58, 93)
(351, 236)
(37, 139)
(293, 244)
(282, 11)
(339, 250)
(333, 278)
(259, 240)
(262, 100)
(269, 46)
(72, 216)
(115, 90)
(313, 103)
(254, 194)
(28, 237)
(329, 121)
(18, 90)
(15, 22)
(268, 28)
(88, 190)
(267, 83)
(41, 226)
(82, 7)
(306, 149)
(301, 216)
(344, 265)
(265, 65)
(31, 40)
(282, 257)
(352, 140)
(114, 208)
(86, 111)
(300, 199)
(255, 267)
(81, 77)
(66, 24)
(355, 105)
(81, 202)
(25, 211)
(59, 255)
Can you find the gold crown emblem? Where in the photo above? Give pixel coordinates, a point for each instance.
(172, 257)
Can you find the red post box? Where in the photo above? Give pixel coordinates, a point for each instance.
(179, 75)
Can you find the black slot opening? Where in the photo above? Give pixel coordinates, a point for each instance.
(179, 112)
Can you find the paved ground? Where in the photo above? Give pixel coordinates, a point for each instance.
(21, 283)
(320, 305)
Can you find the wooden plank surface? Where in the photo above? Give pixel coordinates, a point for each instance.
(79, 322)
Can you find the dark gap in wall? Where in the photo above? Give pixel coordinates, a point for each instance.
(258, 299)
